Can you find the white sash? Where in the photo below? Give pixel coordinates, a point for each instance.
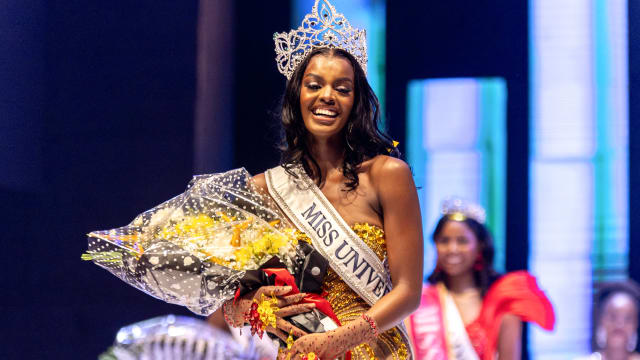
(354, 261)
(458, 342)
(313, 214)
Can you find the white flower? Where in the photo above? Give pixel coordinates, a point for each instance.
(177, 215)
(138, 221)
(159, 216)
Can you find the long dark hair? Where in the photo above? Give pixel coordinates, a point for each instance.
(486, 275)
(362, 136)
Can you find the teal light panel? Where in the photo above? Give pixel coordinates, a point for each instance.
(578, 164)
(456, 147)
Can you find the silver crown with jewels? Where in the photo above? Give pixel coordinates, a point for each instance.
(324, 27)
(453, 206)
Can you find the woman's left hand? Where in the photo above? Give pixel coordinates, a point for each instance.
(329, 345)
(321, 344)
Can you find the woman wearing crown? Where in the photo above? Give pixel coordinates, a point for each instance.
(468, 311)
(341, 183)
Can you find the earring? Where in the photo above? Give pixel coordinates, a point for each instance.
(601, 338)
(479, 264)
(633, 341)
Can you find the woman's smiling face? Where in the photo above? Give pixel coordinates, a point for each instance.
(327, 95)
(457, 248)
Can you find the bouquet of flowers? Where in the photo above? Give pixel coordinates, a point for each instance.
(221, 238)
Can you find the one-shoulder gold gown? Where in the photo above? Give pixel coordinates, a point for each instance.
(348, 306)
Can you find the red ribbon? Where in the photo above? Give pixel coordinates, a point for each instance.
(284, 278)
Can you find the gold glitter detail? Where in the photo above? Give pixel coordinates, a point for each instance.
(348, 306)
(356, 353)
(365, 351)
(457, 216)
(373, 236)
(300, 236)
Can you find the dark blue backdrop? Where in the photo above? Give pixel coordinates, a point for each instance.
(97, 109)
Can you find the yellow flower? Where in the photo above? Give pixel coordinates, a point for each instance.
(243, 255)
(191, 226)
(290, 340)
(225, 217)
(267, 310)
(253, 243)
(269, 243)
(238, 229)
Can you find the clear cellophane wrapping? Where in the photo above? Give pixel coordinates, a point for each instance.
(193, 249)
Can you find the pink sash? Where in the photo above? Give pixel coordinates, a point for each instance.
(427, 327)
(437, 330)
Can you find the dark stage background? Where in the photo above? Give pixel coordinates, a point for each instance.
(98, 103)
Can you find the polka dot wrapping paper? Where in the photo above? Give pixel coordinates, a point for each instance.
(194, 249)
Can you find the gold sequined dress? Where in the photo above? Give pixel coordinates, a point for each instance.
(348, 306)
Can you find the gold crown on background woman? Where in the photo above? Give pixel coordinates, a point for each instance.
(459, 209)
(324, 27)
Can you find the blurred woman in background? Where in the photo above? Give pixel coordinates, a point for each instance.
(468, 311)
(615, 322)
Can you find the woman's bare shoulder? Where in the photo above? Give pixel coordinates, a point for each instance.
(383, 167)
(390, 175)
(261, 181)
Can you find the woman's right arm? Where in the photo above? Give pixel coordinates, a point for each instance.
(510, 338)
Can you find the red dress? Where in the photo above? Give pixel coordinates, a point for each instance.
(515, 293)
